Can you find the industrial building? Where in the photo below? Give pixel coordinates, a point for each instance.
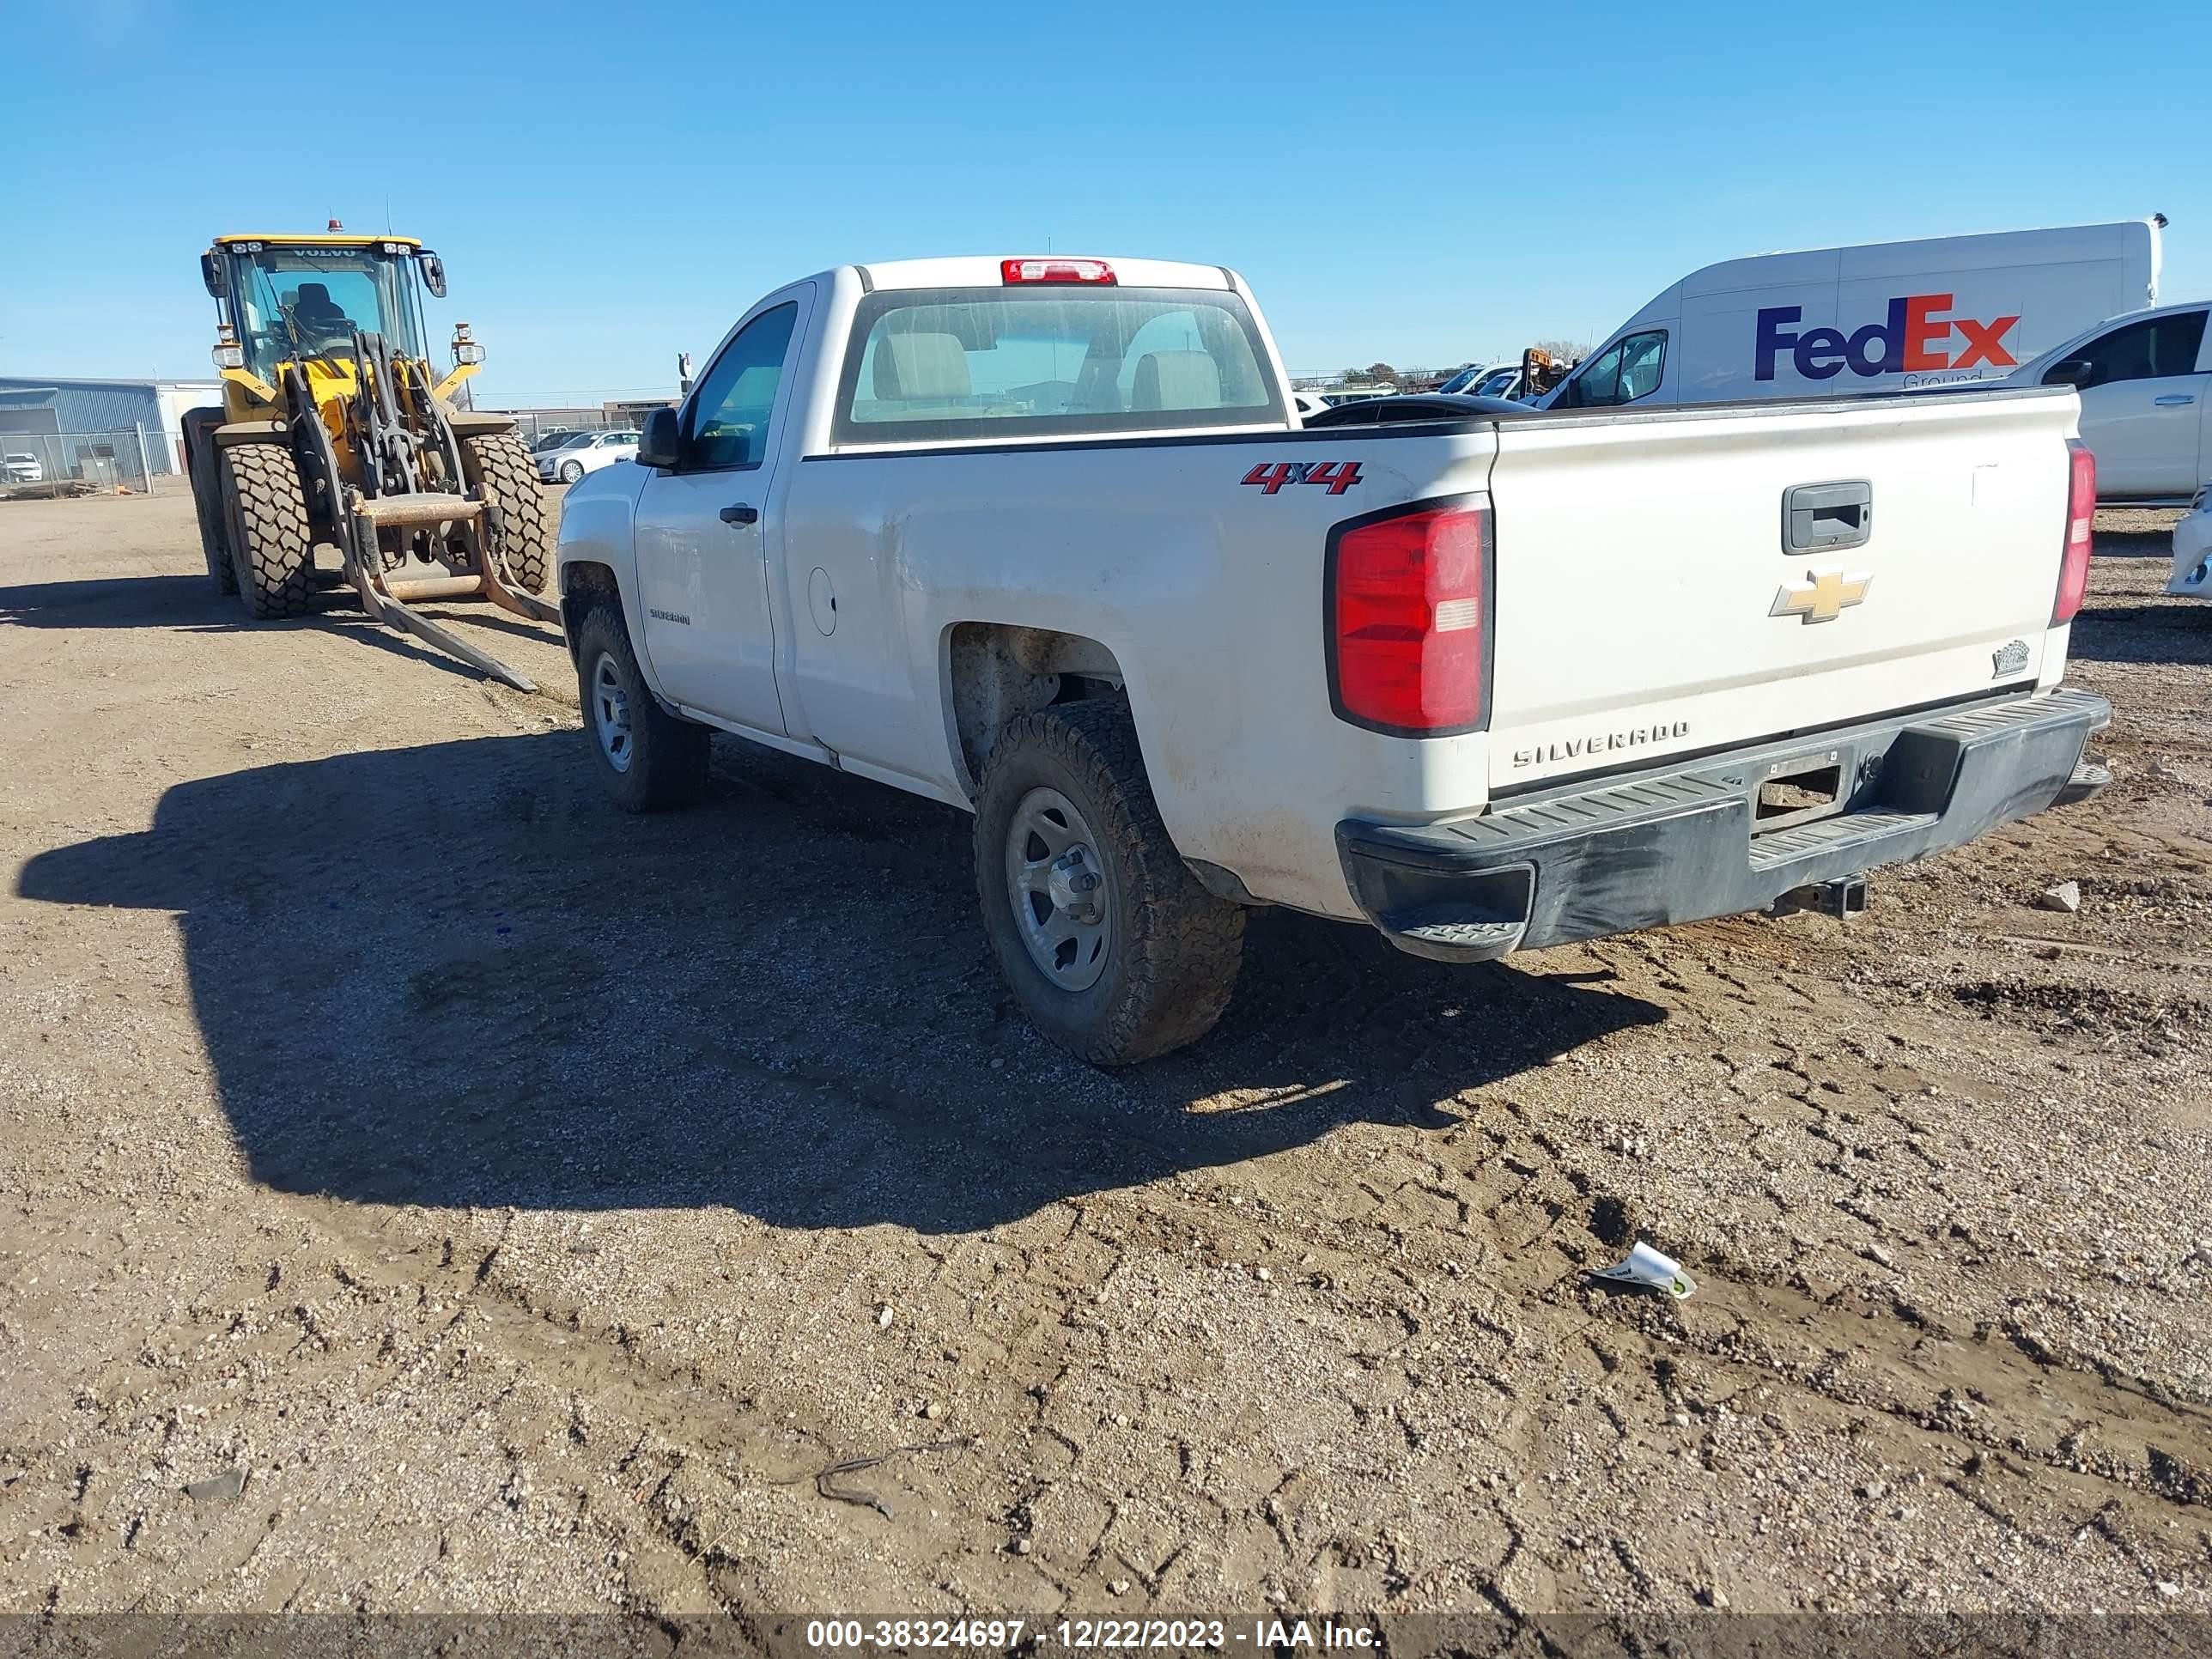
(71, 423)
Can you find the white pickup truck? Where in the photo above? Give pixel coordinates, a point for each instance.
(1041, 537)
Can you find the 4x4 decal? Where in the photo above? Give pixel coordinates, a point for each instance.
(1339, 475)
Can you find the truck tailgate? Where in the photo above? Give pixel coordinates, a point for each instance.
(1646, 602)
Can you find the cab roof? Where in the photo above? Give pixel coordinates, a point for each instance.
(314, 239)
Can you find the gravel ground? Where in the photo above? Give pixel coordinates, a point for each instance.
(421, 1188)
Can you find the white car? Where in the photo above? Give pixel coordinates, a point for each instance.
(2145, 381)
(1042, 538)
(2192, 550)
(23, 468)
(1309, 404)
(585, 451)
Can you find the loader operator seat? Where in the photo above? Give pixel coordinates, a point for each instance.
(320, 319)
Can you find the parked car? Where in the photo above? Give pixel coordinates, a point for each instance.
(1041, 537)
(23, 468)
(585, 451)
(1420, 406)
(2145, 382)
(1470, 379)
(2192, 550)
(545, 440)
(1308, 404)
(1840, 322)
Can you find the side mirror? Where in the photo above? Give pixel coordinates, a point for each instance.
(211, 274)
(434, 273)
(657, 441)
(2074, 372)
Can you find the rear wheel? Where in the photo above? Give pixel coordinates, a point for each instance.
(1115, 950)
(497, 463)
(264, 517)
(199, 425)
(648, 758)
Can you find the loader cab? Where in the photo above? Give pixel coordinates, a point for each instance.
(300, 299)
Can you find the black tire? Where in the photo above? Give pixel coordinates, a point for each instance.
(1174, 948)
(572, 472)
(199, 426)
(264, 516)
(497, 463)
(666, 758)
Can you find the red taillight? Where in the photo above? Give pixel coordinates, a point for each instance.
(1056, 270)
(1407, 598)
(2080, 516)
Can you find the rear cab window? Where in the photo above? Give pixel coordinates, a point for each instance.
(934, 365)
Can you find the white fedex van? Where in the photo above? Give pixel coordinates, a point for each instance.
(1884, 316)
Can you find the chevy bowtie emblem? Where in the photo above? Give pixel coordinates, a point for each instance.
(1822, 597)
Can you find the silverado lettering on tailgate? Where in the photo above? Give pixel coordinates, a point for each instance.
(1598, 743)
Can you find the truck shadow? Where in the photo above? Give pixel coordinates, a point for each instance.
(452, 975)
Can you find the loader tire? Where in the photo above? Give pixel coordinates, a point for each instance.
(497, 463)
(264, 515)
(649, 759)
(199, 426)
(1155, 964)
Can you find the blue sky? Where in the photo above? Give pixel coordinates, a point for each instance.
(610, 183)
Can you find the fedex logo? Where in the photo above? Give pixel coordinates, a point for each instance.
(1912, 340)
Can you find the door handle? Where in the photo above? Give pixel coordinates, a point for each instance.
(741, 514)
(2173, 401)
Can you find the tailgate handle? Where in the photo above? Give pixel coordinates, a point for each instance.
(1822, 516)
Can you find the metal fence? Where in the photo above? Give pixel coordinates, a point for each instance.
(132, 460)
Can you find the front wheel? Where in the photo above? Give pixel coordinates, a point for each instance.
(264, 521)
(571, 470)
(1115, 951)
(498, 465)
(648, 758)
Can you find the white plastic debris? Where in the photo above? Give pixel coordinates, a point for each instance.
(1647, 1266)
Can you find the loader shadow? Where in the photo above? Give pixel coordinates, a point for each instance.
(190, 603)
(452, 976)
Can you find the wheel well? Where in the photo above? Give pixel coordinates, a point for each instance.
(581, 585)
(999, 672)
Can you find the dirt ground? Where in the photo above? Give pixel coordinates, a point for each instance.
(421, 1188)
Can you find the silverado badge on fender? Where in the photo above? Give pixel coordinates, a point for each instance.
(1822, 596)
(1339, 475)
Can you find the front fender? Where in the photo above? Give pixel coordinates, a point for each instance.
(599, 527)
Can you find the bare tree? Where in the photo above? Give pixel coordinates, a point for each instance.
(1381, 372)
(1564, 351)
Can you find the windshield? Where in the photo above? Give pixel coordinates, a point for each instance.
(306, 301)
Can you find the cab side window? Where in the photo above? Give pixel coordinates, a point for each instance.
(728, 424)
(1627, 370)
(2150, 350)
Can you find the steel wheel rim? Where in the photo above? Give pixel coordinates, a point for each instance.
(611, 713)
(1060, 889)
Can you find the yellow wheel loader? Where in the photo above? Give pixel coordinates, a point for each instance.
(334, 430)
